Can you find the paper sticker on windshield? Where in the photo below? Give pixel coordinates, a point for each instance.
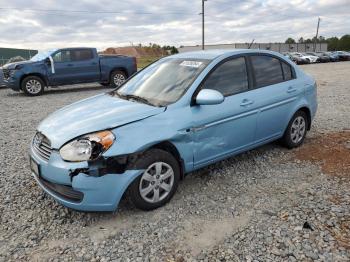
(194, 64)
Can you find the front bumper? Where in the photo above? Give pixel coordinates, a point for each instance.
(101, 193)
(13, 82)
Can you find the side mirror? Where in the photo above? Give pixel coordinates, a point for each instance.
(209, 97)
(47, 61)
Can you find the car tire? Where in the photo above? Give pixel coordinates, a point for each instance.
(296, 130)
(33, 86)
(158, 183)
(117, 78)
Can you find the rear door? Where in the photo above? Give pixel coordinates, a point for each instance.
(86, 65)
(277, 91)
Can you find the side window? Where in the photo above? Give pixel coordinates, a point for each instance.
(287, 71)
(267, 69)
(62, 56)
(229, 78)
(81, 55)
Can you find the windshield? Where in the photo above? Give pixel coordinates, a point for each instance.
(42, 55)
(163, 82)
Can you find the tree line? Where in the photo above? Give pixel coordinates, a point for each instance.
(334, 43)
(169, 49)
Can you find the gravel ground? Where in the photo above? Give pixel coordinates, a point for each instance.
(269, 204)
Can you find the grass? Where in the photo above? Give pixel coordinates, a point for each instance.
(145, 61)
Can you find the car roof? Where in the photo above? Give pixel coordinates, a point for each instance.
(215, 53)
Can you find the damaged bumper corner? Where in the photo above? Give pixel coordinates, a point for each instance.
(99, 193)
(85, 190)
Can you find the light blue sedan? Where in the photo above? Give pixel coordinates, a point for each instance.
(179, 114)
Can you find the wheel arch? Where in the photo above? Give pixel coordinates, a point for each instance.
(41, 76)
(119, 68)
(307, 111)
(304, 109)
(171, 148)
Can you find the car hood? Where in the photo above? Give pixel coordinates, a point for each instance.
(93, 114)
(13, 65)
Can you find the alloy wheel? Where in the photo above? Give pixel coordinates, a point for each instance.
(118, 79)
(156, 182)
(298, 129)
(33, 86)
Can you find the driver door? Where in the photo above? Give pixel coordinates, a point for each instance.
(63, 73)
(227, 128)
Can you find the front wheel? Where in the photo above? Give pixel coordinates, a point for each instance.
(33, 86)
(117, 78)
(158, 183)
(296, 131)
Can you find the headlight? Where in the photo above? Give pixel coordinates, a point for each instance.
(87, 147)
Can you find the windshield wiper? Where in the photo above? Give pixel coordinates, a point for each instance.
(136, 98)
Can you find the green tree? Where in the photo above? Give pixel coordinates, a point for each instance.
(173, 50)
(321, 39)
(333, 43)
(290, 41)
(344, 43)
(301, 40)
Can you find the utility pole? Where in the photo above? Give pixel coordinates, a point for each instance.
(318, 26)
(203, 43)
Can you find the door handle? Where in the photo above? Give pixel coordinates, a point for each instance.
(291, 89)
(246, 102)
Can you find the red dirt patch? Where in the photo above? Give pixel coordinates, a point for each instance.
(331, 150)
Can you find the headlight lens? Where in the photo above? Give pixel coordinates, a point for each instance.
(88, 147)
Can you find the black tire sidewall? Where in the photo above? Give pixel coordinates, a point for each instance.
(28, 78)
(143, 162)
(111, 80)
(287, 140)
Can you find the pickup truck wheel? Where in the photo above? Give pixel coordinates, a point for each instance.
(117, 78)
(33, 86)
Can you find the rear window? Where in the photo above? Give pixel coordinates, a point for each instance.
(267, 69)
(287, 71)
(81, 55)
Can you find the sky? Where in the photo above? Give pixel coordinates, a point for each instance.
(39, 24)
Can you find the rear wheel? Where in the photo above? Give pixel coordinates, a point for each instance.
(117, 78)
(158, 183)
(296, 131)
(33, 86)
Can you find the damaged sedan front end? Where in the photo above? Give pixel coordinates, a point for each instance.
(92, 185)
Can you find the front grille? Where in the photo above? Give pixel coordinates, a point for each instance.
(6, 73)
(42, 146)
(66, 192)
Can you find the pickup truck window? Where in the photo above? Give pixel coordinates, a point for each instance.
(81, 55)
(62, 56)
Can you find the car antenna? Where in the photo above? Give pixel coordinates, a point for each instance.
(250, 45)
